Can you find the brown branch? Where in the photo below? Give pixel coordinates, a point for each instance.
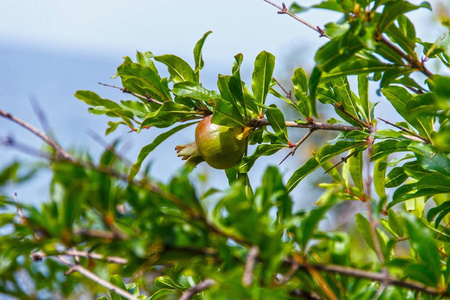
(292, 152)
(381, 277)
(124, 90)
(60, 151)
(421, 138)
(288, 93)
(315, 125)
(92, 276)
(250, 265)
(283, 10)
(202, 285)
(342, 109)
(38, 256)
(343, 160)
(413, 61)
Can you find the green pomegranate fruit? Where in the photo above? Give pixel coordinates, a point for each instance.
(218, 145)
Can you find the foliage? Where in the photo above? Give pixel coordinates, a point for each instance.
(165, 240)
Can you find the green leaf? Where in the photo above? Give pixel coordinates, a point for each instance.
(300, 82)
(146, 150)
(223, 83)
(337, 51)
(422, 241)
(262, 75)
(179, 69)
(356, 66)
(313, 83)
(356, 169)
(277, 122)
(161, 294)
(92, 99)
(396, 223)
(168, 114)
(193, 90)
(198, 54)
(117, 281)
(262, 150)
(311, 165)
(379, 175)
(363, 91)
(364, 228)
(399, 98)
(144, 81)
(396, 177)
(309, 224)
(394, 9)
(329, 151)
(227, 114)
(144, 59)
(442, 210)
(389, 146)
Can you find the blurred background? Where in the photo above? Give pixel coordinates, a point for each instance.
(50, 49)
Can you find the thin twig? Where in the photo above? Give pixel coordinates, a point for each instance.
(38, 256)
(381, 277)
(124, 90)
(315, 125)
(425, 140)
(202, 285)
(292, 152)
(41, 117)
(413, 61)
(283, 10)
(250, 265)
(288, 93)
(92, 276)
(342, 109)
(60, 151)
(343, 160)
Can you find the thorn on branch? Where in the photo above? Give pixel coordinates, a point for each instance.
(343, 160)
(292, 152)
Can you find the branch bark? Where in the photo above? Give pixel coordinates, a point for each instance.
(283, 10)
(92, 276)
(60, 151)
(203, 285)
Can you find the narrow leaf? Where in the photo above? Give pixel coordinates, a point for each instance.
(146, 150)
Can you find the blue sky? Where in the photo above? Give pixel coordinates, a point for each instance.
(49, 49)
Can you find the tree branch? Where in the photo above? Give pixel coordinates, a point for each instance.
(381, 277)
(425, 140)
(413, 61)
(250, 265)
(202, 285)
(288, 93)
(315, 125)
(92, 276)
(60, 151)
(124, 90)
(292, 152)
(38, 256)
(283, 10)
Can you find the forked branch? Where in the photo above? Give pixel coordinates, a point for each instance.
(283, 10)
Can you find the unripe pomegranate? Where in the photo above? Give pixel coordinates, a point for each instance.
(218, 145)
